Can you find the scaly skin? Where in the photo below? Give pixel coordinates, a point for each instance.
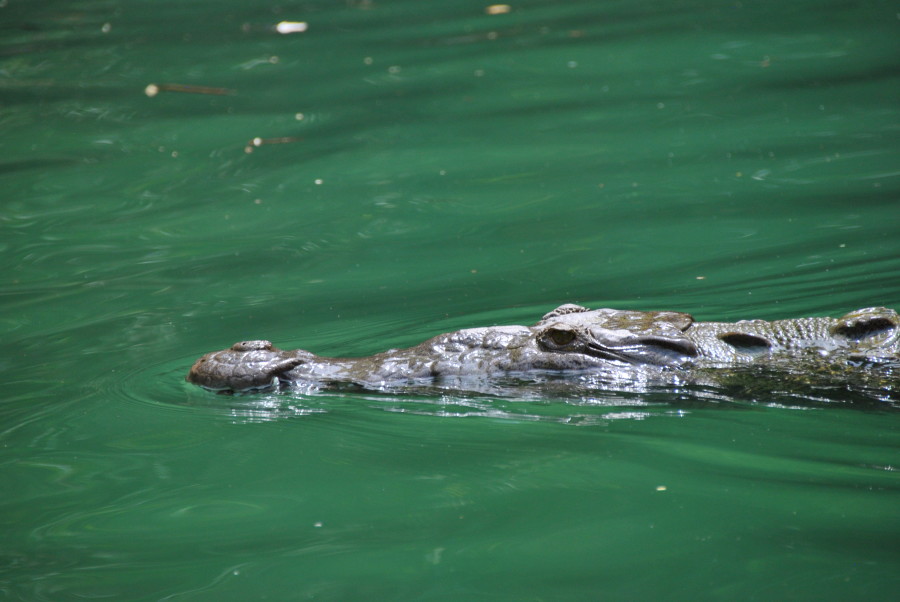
(572, 338)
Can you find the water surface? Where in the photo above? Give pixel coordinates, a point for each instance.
(423, 169)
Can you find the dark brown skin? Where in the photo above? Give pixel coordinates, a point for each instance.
(572, 338)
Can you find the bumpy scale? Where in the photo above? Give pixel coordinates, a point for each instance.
(572, 338)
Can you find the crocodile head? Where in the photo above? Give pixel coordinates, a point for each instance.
(635, 337)
(245, 365)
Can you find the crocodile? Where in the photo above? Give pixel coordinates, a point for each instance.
(573, 339)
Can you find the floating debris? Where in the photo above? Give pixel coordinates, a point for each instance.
(497, 9)
(291, 27)
(153, 89)
(256, 142)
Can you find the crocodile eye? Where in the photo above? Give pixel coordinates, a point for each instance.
(559, 337)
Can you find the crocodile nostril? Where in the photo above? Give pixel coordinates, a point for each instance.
(253, 346)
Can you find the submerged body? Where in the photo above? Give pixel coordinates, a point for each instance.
(572, 338)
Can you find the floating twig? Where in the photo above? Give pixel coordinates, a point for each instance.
(261, 141)
(153, 89)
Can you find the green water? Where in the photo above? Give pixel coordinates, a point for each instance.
(443, 168)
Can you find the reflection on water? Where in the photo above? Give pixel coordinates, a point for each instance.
(269, 407)
(621, 393)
